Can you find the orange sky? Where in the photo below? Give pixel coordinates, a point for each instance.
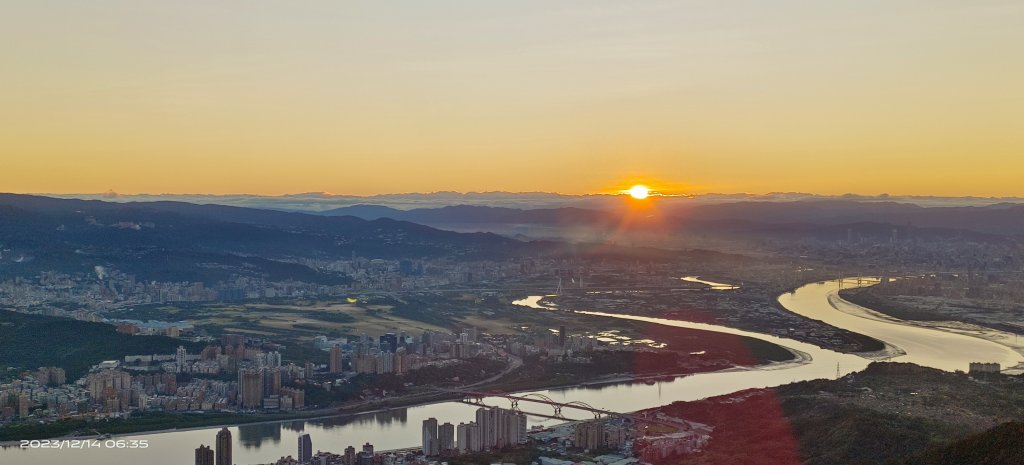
(865, 96)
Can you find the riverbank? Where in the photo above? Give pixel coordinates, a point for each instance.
(949, 347)
(867, 346)
(996, 336)
(368, 408)
(883, 414)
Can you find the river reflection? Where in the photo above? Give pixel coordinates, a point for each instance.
(269, 434)
(258, 435)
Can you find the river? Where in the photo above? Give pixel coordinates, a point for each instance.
(713, 285)
(399, 428)
(924, 346)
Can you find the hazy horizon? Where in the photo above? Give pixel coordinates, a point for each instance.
(319, 202)
(882, 195)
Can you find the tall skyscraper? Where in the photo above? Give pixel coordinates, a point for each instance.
(431, 447)
(224, 447)
(305, 453)
(204, 455)
(335, 363)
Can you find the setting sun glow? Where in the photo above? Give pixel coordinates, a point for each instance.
(639, 192)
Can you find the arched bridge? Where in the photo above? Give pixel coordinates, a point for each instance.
(478, 397)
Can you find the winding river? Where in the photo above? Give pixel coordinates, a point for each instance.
(399, 428)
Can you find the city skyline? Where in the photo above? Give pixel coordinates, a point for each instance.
(581, 97)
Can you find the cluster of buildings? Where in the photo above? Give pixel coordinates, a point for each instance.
(260, 388)
(113, 391)
(43, 393)
(109, 289)
(400, 353)
(600, 435)
(983, 367)
(306, 456)
(552, 343)
(261, 378)
(14, 404)
(996, 289)
(679, 444)
(494, 428)
(151, 383)
(406, 274)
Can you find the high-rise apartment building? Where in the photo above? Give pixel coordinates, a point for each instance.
(500, 427)
(305, 451)
(334, 366)
(446, 439)
(223, 453)
(431, 446)
(181, 358)
(204, 455)
(250, 388)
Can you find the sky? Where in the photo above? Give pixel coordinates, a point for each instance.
(919, 97)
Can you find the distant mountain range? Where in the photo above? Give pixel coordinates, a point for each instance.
(319, 201)
(808, 216)
(177, 241)
(174, 240)
(169, 241)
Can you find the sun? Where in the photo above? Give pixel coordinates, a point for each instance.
(639, 192)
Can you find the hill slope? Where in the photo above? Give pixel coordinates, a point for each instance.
(32, 341)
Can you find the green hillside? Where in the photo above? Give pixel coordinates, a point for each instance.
(31, 341)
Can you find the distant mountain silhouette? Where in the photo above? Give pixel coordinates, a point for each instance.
(815, 217)
(178, 241)
(171, 240)
(473, 214)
